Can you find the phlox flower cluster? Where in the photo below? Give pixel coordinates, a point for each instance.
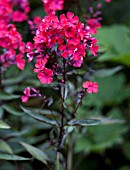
(56, 39)
(8, 14)
(52, 5)
(12, 46)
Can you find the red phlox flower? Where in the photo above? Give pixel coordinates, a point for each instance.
(40, 64)
(37, 20)
(45, 76)
(20, 61)
(52, 5)
(92, 25)
(91, 87)
(70, 20)
(94, 48)
(19, 16)
(29, 47)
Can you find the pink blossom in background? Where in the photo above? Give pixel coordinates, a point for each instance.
(14, 47)
(108, 0)
(26, 95)
(19, 16)
(91, 87)
(52, 5)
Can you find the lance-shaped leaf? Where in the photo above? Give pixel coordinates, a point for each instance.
(40, 117)
(35, 152)
(50, 114)
(87, 122)
(4, 147)
(7, 96)
(4, 125)
(11, 110)
(12, 157)
(14, 80)
(107, 72)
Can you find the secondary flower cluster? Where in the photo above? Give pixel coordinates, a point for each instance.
(7, 12)
(12, 46)
(52, 5)
(57, 39)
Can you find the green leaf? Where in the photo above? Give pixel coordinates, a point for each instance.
(11, 110)
(7, 96)
(4, 147)
(35, 152)
(126, 149)
(14, 80)
(116, 41)
(1, 112)
(12, 157)
(50, 114)
(4, 125)
(87, 122)
(39, 117)
(107, 72)
(58, 165)
(123, 59)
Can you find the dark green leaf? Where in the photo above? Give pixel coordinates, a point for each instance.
(7, 96)
(11, 110)
(88, 122)
(4, 147)
(4, 125)
(107, 72)
(35, 152)
(14, 80)
(39, 117)
(12, 157)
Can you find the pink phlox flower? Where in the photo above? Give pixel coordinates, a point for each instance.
(94, 48)
(40, 64)
(51, 6)
(91, 87)
(45, 76)
(20, 61)
(93, 24)
(108, 0)
(26, 95)
(37, 20)
(29, 47)
(70, 20)
(19, 16)
(78, 63)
